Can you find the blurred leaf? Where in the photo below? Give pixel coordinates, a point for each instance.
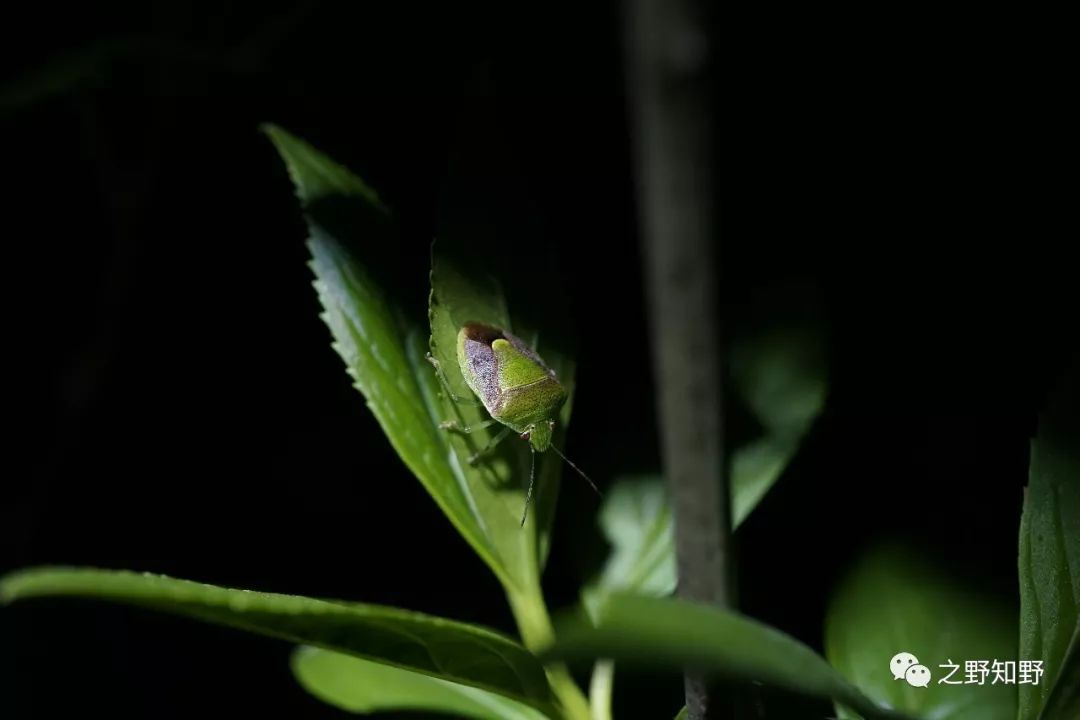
(433, 646)
(62, 75)
(780, 373)
(383, 349)
(1050, 561)
(636, 520)
(755, 468)
(894, 601)
(683, 714)
(362, 686)
(674, 635)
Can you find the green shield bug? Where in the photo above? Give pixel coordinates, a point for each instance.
(515, 386)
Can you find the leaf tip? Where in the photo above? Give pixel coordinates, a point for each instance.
(20, 584)
(314, 174)
(279, 137)
(269, 129)
(8, 590)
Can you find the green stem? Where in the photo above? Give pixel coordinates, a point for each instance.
(600, 686)
(534, 624)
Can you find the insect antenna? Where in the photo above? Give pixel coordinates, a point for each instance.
(577, 469)
(532, 477)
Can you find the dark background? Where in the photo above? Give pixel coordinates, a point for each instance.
(179, 409)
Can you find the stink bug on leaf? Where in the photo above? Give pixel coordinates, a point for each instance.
(515, 386)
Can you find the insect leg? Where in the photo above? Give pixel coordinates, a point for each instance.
(457, 427)
(499, 437)
(532, 478)
(446, 384)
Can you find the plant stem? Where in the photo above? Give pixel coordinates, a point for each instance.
(534, 624)
(670, 83)
(600, 689)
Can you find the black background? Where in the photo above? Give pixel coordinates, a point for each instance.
(184, 412)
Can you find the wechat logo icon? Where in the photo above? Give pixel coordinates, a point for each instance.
(905, 666)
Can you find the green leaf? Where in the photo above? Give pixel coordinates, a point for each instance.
(683, 714)
(362, 686)
(636, 520)
(463, 291)
(1050, 561)
(674, 635)
(894, 601)
(780, 374)
(316, 176)
(384, 349)
(496, 485)
(431, 646)
(380, 340)
(1064, 700)
(495, 258)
